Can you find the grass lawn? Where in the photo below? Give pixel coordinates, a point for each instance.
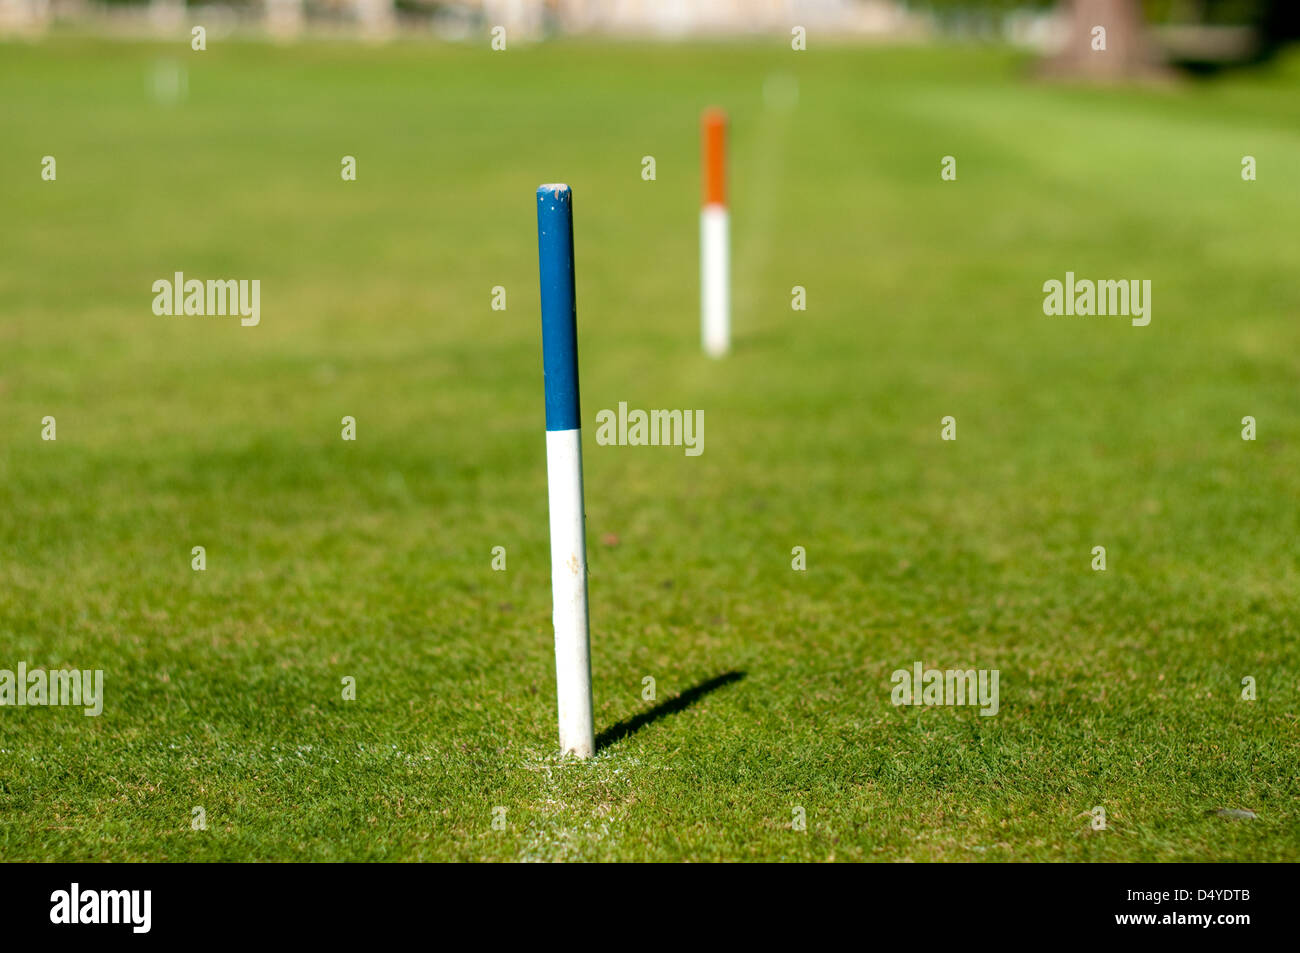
(372, 559)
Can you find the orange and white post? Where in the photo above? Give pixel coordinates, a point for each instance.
(715, 238)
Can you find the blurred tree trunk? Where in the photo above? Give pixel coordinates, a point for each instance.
(1128, 52)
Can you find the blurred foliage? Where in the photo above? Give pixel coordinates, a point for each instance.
(1227, 12)
(1276, 21)
(1155, 11)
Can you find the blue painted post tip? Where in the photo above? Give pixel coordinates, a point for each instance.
(559, 308)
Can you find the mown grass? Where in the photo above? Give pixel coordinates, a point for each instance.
(373, 559)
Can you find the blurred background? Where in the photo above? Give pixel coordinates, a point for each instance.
(1191, 34)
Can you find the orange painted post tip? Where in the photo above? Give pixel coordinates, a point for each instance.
(713, 125)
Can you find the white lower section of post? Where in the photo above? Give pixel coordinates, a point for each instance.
(569, 591)
(715, 280)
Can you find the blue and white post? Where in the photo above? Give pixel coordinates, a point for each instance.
(564, 469)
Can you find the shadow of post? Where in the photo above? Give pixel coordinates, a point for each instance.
(616, 733)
